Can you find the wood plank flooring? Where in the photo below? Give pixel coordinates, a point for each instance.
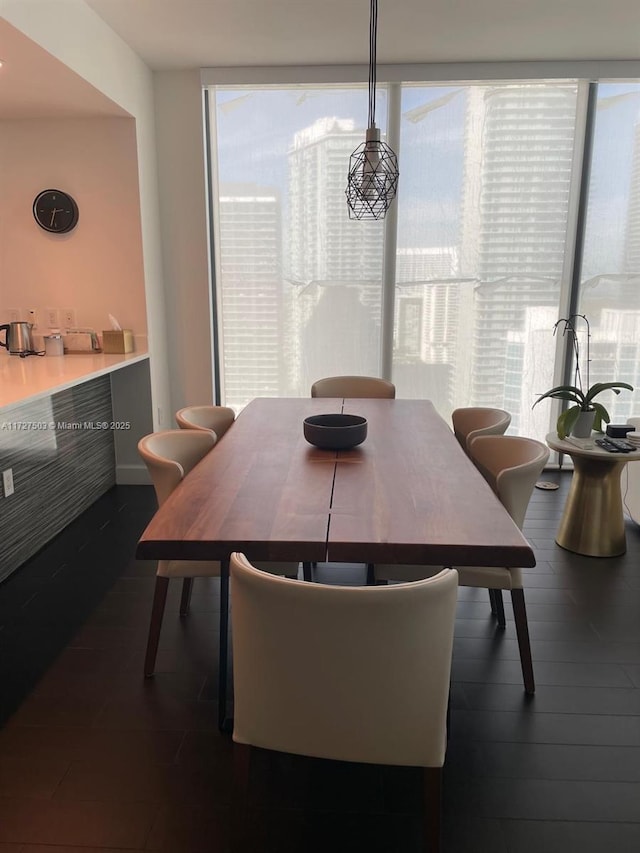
(93, 757)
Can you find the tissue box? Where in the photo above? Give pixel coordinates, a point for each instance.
(117, 341)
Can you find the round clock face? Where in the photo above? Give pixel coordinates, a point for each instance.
(55, 211)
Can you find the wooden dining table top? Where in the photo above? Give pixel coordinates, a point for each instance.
(408, 494)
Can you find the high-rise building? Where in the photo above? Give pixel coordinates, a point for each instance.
(251, 292)
(518, 163)
(633, 221)
(615, 353)
(426, 322)
(324, 244)
(426, 304)
(529, 364)
(334, 275)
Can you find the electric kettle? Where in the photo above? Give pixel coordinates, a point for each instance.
(18, 338)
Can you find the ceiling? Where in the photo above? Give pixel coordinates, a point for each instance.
(181, 34)
(173, 34)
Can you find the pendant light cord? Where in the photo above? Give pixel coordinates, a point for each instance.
(372, 182)
(373, 27)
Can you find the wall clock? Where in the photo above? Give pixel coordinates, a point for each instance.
(55, 211)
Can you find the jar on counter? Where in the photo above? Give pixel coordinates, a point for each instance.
(53, 344)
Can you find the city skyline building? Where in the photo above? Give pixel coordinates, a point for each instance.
(633, 217)
(334, 264)
(518, 168)
(426, 322)
(250, 261)
(529, 364)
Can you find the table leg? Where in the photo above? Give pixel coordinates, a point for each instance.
(593, 522)
(225, 724)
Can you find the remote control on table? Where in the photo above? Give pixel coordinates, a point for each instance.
(622, 444)
(615, 445)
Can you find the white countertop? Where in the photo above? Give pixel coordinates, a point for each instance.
(26, 379)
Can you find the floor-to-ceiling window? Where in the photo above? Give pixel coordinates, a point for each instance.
(482, 230)
(299, 285)
(483, 263)
(609, 287)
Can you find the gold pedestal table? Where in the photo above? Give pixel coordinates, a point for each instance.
(593, 521)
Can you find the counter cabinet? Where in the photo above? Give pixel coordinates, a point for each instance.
(67, 447)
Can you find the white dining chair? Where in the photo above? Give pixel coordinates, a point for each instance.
(511, 465)
(472, 421)
(353, 386)
(216, 418)
(321, 671)
(469, 423)
(169, 456)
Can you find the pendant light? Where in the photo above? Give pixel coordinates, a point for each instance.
(373, 167)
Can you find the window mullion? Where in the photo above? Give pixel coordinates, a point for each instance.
(589, 118)
(390, 241)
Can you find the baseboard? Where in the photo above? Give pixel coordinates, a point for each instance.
(132, 475)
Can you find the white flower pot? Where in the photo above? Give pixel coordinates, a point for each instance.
(583, 426)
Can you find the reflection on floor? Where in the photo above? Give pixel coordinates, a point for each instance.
(95, 758)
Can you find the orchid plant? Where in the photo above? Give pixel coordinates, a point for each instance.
(583, 401)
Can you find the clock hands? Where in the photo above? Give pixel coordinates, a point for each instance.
(53, 215)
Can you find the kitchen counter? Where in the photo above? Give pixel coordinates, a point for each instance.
(23, 380)
(69, 429)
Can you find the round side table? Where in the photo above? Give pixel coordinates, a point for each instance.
(593, 521)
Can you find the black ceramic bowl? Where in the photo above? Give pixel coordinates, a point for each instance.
(335, 432)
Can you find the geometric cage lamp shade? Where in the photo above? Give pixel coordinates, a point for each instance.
(372, 182)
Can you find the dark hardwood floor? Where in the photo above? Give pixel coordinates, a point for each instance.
(93, 757)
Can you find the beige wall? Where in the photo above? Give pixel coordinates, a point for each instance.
(75, 35)
(96, 269)
(167, 108)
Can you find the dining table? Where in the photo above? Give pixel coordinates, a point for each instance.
(408, 494)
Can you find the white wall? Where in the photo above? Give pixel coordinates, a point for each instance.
(75, 35)
(96, 269)
(183, 203)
